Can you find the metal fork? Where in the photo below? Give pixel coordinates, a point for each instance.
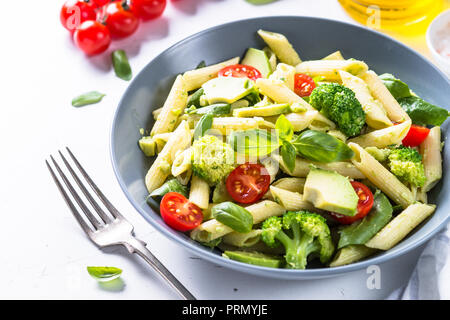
(108, 230)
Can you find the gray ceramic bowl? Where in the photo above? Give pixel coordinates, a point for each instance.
(314, 38)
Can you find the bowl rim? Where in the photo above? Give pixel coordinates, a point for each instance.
(432, 30)
(293, 274)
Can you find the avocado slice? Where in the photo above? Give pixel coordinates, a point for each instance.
(328, 190)
(265, 111)
(259, 60)
(255, 258)
(148, 146)
(227, 89)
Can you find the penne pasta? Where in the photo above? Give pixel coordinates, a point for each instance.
(160, 169)
(290, 200)
(375, 114)
(329, 69)
(432, 158)
(285, 73)
(351, 254)
(173, 107)
(243, 240)
(393, 109)
(383, 137)
(280, 45)
(301, 121)
(199, 192)
(337, 55)
(381, 177)
(194, 79)
(400, 226)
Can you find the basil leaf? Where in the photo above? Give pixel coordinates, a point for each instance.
(201, 64)
(104, 273)
(194, 99)
(321, 147)
(215, 109)
(121, 65)
(253, 142)
(87, 98)
(260, 2)
(361, 231)
(398, 88)
(288, 153)
(233, 216)
(285, 128)
(173, 185)
(203, 125)
(422, 112)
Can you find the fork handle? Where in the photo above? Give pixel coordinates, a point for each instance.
(138, 246)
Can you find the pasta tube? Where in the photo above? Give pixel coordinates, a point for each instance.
(290, 200)
(329, 69)
(432, 158)
(393, 109)
(383, 137)
(280, 45)
(243, 239)
(173, 107)
(194, 79)
(351, 254)
(199, 192)
(400, 226)
(381, 177)
(160, 169)
(375, 114)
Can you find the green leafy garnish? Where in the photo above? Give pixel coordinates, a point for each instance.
(104, 273)
(234, 216)
(87, 98)
(321, 147)
(121, 65)
(173, 185)
(203, 125)
(423, 113)
(397, 88)
(285, 132)
(201, 64)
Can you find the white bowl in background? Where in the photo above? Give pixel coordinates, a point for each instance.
(438, 30)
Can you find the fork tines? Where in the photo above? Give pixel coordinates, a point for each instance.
(94, 220)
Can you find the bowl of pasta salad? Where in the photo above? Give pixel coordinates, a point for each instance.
(287, 154)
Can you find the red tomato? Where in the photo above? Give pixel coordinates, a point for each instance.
(92, 37)
(100, 3)
(179, 213)
(303, 84)
(415, 136)
(240, 71)
(248, 183)
(365, 204)
(148, 9)
(75, 12)
(119, 19)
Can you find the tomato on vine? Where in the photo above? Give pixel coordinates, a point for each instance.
(148, 9)
(92, 37)
(119, 19)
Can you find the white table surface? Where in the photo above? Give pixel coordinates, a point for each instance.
(44, 251)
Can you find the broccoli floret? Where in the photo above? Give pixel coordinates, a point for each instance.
(406, 164)
(306, 233)
(212, 159)
(339, 103)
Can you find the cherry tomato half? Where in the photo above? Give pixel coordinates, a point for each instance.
(119, 19)
(100, 3)
(179, 213)
(365, 204)
(303, 84)
(248, 182)
(416, 135)
(148, 9)
(92, 37)
(75, 12)
(240, 71)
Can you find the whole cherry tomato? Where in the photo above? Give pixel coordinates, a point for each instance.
(303, 84)
(240, 71)
(179, 213)
(148, 9)
(119, 19)
(416, 135)
(92, 37)
(75, 12)
(248, 182)
(365, 204)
